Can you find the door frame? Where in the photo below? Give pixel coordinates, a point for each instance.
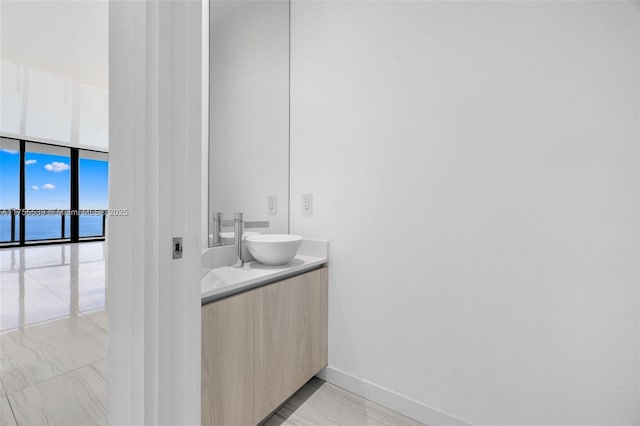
(155, 139)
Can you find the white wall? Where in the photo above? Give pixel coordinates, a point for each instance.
(475, 167)
(54, 71)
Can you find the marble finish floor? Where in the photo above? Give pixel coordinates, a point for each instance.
(321, 403)
(53, 335)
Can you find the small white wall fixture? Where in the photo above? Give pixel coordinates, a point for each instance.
(155, 159)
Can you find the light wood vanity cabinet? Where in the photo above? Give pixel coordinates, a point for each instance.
(261, 346)
(291, 338)
(227, 361)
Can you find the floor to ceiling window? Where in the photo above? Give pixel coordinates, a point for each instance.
(93, 180)
(47, 192)
(51, 193)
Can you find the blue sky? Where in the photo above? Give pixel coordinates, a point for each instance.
(9, 179)
(48, 181)
(94, 181)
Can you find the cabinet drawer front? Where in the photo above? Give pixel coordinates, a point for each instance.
(290, 338)
(227, 361)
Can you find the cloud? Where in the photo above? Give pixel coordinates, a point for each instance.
(56, 166)
(48, 186)
(27, 162)
(10, 151)
(35, 187)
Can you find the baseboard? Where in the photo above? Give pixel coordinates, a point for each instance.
(387, 398)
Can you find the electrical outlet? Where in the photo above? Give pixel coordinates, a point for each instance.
(272, 205)
(307, 205)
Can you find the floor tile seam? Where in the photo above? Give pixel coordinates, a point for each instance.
(50, 320)
(33, 324)
(58, 376)
(13, 413)
(85, 316)
(30, 270)
(47, 288)
(39, 281)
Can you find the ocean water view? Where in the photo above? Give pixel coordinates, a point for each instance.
(49, 227)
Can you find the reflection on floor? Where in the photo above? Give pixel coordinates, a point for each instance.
(321, 403)
(53, 335)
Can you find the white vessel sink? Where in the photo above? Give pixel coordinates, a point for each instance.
(273, 249)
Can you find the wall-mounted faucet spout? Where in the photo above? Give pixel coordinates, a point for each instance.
(239, 226)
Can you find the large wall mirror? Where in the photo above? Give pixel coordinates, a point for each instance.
(249, 113)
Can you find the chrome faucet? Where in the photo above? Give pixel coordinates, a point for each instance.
(239, 226)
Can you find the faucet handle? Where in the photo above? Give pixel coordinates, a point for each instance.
(258, 224)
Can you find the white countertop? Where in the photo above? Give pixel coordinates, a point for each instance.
(223, 281)
(227, 280)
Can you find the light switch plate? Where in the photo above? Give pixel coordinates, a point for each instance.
(307, 205)
(272, 205)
